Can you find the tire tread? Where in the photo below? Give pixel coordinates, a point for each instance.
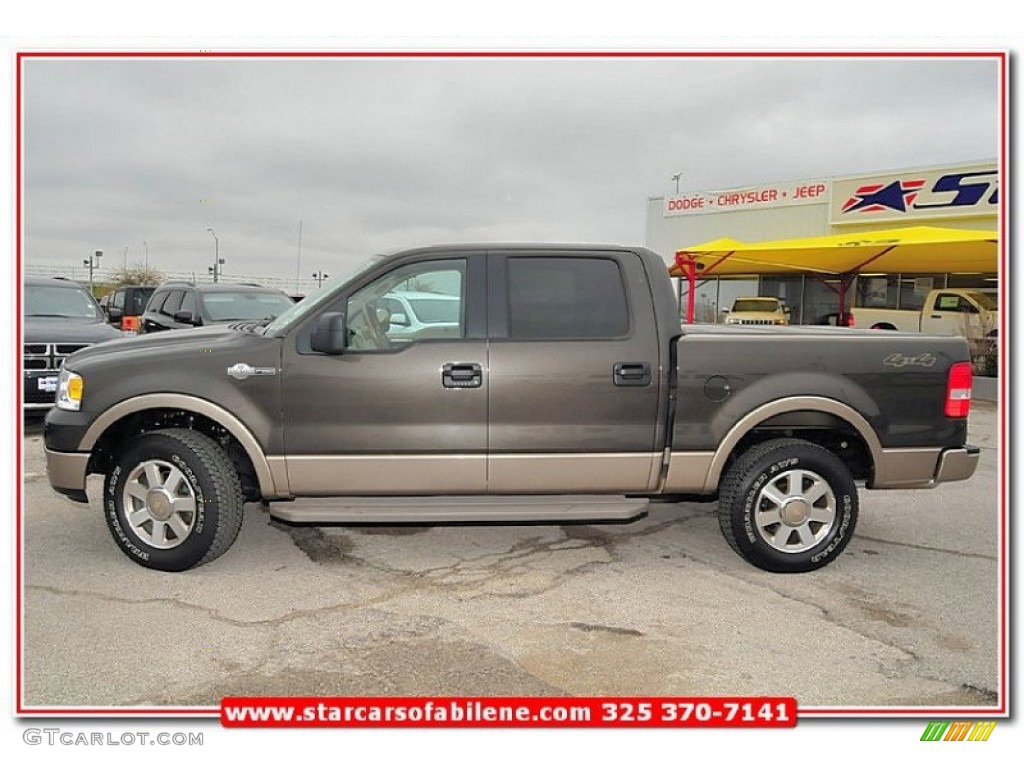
(732, 485)
(227, 493)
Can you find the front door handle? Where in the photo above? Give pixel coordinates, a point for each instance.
(631, 374)
(461, 375)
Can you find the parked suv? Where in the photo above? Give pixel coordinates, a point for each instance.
(61, 317)
(125, 306)
(185, 305)
(757, 310)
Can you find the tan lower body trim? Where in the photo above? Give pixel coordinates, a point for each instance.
(571, 472)
(381, 475)
(464, 474)
(688, 471)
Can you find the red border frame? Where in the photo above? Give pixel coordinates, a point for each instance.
(1001, 708)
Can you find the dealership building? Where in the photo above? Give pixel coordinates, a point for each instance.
(963, 196)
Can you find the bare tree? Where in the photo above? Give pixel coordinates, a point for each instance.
(136, 274)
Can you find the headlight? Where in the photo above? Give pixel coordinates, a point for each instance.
(69, 390)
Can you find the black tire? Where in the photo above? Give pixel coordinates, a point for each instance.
(173, 500)
(788, 506)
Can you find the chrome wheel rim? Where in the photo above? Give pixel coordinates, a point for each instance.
(159, 504)
(795, 511)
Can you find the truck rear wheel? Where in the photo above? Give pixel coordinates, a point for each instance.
(173, 500)
(788, 506)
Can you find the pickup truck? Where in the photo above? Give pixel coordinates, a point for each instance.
(946, 311)
(570, 393)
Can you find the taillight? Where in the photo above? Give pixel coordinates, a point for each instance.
(849, 320)
(958, 390)
(130, 323)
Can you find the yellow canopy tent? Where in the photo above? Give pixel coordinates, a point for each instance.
(888, 251)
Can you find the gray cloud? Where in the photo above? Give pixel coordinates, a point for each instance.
(375, 154)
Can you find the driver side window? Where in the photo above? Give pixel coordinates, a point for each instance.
(415, 302)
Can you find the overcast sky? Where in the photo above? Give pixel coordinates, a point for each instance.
(375, 155)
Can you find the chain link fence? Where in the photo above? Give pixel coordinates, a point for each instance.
(101, 275)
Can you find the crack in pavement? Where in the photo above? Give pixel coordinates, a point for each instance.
(470, 574)
(293, 615)
(925, 548)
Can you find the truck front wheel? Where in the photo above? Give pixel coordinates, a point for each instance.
(173, 500)
(788, 506)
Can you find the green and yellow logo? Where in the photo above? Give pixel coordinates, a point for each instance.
(962, 730)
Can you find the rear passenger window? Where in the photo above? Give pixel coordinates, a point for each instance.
(137, 301)
(173, 303)
(566, 298)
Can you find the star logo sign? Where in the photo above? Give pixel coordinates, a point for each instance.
(896, 196)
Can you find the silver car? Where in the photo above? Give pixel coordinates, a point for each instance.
(415, 314)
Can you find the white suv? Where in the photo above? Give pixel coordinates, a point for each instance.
(757, 311)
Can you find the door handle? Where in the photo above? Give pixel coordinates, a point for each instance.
(461, 375)
(631, 374)
(936, 317)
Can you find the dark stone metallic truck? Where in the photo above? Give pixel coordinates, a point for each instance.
(566, 390)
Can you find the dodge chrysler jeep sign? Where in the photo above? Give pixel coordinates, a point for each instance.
(747, 198)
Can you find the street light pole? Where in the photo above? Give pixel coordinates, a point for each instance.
(146, 246)
(217, 260)
(92, 265)
(298, 259)
(320, 276)
(676, 177)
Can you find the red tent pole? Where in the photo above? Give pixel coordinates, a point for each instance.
(841, 321)
(691, 278)
(687, 263)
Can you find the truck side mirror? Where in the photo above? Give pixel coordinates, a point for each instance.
(184, 316)
(400, 319)
(330, 334)
(114, 314)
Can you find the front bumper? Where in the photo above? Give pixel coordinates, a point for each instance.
(66, 472)
(66, 464)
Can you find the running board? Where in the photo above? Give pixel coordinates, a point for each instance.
(459, 509)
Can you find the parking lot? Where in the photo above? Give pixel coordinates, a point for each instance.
(906, 616)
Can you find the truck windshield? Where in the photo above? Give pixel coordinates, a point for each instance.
(60, 301)
(324, 295)
(755, 305)
(222, 307)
